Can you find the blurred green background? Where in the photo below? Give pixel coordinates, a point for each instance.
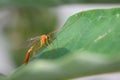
(28, 23)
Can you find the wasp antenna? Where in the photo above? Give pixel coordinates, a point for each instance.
(55, 31)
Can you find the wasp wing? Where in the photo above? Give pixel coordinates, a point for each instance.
(31, 41)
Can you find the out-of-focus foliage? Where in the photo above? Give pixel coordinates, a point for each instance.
(47, 3)
(87, 44)
(28, 23)
(2, 77)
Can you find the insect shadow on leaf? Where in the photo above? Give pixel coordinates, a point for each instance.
(53, 54)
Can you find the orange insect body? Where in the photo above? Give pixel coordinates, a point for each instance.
(43, 39)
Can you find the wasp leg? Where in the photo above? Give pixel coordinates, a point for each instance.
(35, 50)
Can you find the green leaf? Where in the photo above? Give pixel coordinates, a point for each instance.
(48, 3)
(87, 44)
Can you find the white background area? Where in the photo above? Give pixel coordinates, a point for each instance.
(6, 65)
